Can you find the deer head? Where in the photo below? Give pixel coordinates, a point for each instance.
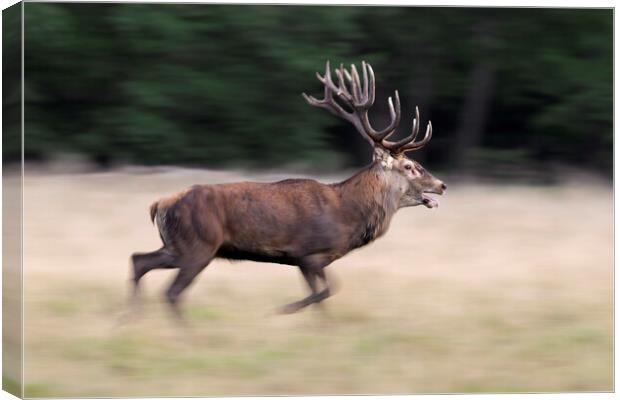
(351, 99)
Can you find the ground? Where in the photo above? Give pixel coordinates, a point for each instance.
(503, 288)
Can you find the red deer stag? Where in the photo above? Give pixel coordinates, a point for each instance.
(298, 222)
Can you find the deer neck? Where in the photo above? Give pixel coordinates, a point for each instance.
(369, 201)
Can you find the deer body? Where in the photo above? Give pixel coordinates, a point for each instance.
(282, 222)
(298, 222)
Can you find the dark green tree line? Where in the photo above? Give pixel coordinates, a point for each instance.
(220, 85)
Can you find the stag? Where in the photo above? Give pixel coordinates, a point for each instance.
(298, 222)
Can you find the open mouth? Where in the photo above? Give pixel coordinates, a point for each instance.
(428, 201)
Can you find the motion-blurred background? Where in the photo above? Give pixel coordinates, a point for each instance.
(507, 287)
(221, 85)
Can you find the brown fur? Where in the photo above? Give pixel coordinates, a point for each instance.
(282, 221)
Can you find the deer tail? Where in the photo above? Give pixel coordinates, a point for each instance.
(153, 210)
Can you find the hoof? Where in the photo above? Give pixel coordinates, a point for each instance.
(290, 308)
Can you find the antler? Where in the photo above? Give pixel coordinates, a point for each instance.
(359, 96)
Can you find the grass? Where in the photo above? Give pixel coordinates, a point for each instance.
(521, 303)
(203, 313)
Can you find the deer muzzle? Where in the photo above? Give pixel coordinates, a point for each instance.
(439, 188)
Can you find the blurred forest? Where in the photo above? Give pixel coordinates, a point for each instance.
(220, 85)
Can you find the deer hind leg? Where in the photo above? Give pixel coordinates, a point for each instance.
(145, 262)
(188, 270)
(312, 272)
(141, 263)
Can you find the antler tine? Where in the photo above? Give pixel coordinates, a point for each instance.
(343, 92)
(346, 73)
(328, 82)
(365, 83)
(365, 88)
(327, 93)
(356, 85)
(410, 138)
(311, 100)
(395, 119)
(417, 145)
(416, 124)
(371, 86)
(328, 101)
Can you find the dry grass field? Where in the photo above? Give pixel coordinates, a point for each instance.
(503, 288)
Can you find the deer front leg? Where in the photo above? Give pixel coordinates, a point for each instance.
(312, 273)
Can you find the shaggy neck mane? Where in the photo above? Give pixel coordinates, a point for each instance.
(368, 197)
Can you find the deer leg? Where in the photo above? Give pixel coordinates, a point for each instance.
(187, 272)
(144, 262)
(141, 263)
(310, 278)
(310, 271)
(326, 292)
